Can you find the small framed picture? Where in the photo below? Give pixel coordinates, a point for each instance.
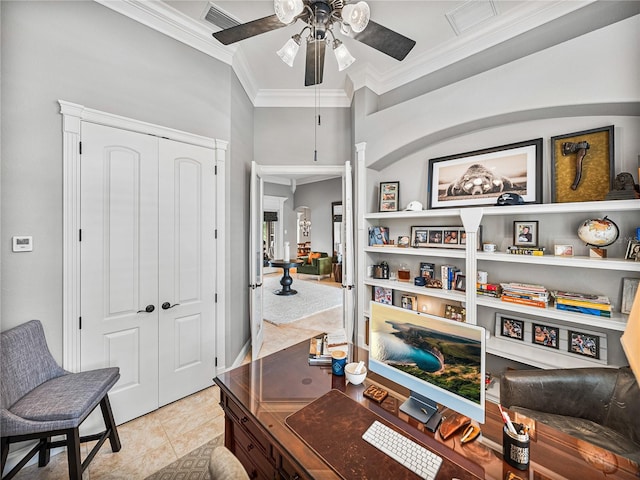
(545, 335)
(410, 302)
(585, 344)
(404, 241)
(383, 295)
(389, 196)
(525, 234)
(629, 289)
(427, 269)
(563, 250)
(512, 328)
(633, 251)
(460, 283)
(455, 312)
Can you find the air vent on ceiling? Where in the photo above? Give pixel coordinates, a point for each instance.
(218, 17)
(470, 14)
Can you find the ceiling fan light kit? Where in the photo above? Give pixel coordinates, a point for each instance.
(320, 17)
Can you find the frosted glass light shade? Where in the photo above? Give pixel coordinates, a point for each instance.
(356, 15)
(287, 10)
(289, 51)
(343, 56)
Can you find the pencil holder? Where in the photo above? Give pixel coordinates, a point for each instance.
(515, 447)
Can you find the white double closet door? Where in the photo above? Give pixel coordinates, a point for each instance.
(147, 265)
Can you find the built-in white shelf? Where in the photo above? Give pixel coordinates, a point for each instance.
(419, 252)
(572, 262)
(409, 287)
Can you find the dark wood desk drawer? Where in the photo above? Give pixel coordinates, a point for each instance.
(287, 470)
(246, 423)
(245, 442)
(253, 469)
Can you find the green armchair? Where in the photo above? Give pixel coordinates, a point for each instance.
(319, 267)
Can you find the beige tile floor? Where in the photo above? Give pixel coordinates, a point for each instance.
(155, 440)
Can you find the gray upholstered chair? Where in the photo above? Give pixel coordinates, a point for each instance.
(39, 400)
(223, 465)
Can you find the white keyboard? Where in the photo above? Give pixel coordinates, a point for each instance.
(416, 458)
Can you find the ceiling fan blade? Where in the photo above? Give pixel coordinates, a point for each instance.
(315, 62)
(385, 40)
(248, 30)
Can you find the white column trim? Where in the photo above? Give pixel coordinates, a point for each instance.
(72, 117)
(361, 188)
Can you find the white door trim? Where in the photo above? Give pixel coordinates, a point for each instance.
(72, 117)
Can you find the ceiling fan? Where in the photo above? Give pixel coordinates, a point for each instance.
(320, 17)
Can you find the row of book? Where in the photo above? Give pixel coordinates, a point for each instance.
(489, 289)
(525, 294)
(448, 277)
(589, 304)
(517, 250)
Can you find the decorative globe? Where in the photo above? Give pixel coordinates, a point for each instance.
(598, 232)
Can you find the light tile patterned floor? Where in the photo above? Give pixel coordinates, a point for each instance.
(155, 440)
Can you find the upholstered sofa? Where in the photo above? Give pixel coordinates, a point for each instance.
(319, 266)
(599, 405)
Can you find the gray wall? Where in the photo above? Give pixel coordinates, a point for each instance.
(84, 53)
(318, 197)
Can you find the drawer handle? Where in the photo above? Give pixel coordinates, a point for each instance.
(244, 420)
(250, 447)
(254, 474)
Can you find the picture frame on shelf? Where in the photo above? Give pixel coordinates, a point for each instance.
(389, 196)
(460, 283)
(427, 269)
(511, 327)
(629, 289)
(481, 176)
(633, 251)
(582, 174)
(404, 241)
(383, 295)
(410, 302)
(455, 312)
(378, 236)
(563, 250)
(441, 237)
(545, 335)
(525, 233)
(585, 344)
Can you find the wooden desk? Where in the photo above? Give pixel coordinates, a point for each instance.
(258, 397)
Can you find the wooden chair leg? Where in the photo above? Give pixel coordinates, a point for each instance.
(44, 454)
(73, 454)
(110, 423)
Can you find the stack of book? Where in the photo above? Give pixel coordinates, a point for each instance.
(489, 289)
(321, 347)
(525, 294)
(515, 250)
(598, 305)
(448, 275)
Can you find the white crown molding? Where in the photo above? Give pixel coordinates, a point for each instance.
(334, 98)
(167, 20)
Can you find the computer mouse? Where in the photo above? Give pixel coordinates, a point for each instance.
(510, 199)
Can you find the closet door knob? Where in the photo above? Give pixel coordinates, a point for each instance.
(148, 309)
(167, 305)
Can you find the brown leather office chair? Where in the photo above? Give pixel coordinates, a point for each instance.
(599, 405)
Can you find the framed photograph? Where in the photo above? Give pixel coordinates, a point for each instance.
(563, 250)
(585, 344)
(389, 196)
(460, 283)
(525, 233)
(378, 236)
(582, 165)
(403, 241)
(455, 312)
(480, 177)
(545, 335)
(633, 251)
(629, 289)
(383, 295)
(511, 328)
(410, 302)
(445, 237)
(427, 270)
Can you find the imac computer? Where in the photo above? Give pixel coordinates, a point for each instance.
(440, 361)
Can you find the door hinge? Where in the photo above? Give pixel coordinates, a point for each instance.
(80, 235)
(215, 299)
(215, 234)
(215, 362)
(215, 169)
(80, 148)
(80, 323)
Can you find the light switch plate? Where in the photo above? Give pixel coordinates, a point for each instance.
(22, 243)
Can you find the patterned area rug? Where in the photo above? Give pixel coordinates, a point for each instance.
(312, 297)
(193, 466)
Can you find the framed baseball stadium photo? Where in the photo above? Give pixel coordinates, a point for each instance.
(480, 177)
